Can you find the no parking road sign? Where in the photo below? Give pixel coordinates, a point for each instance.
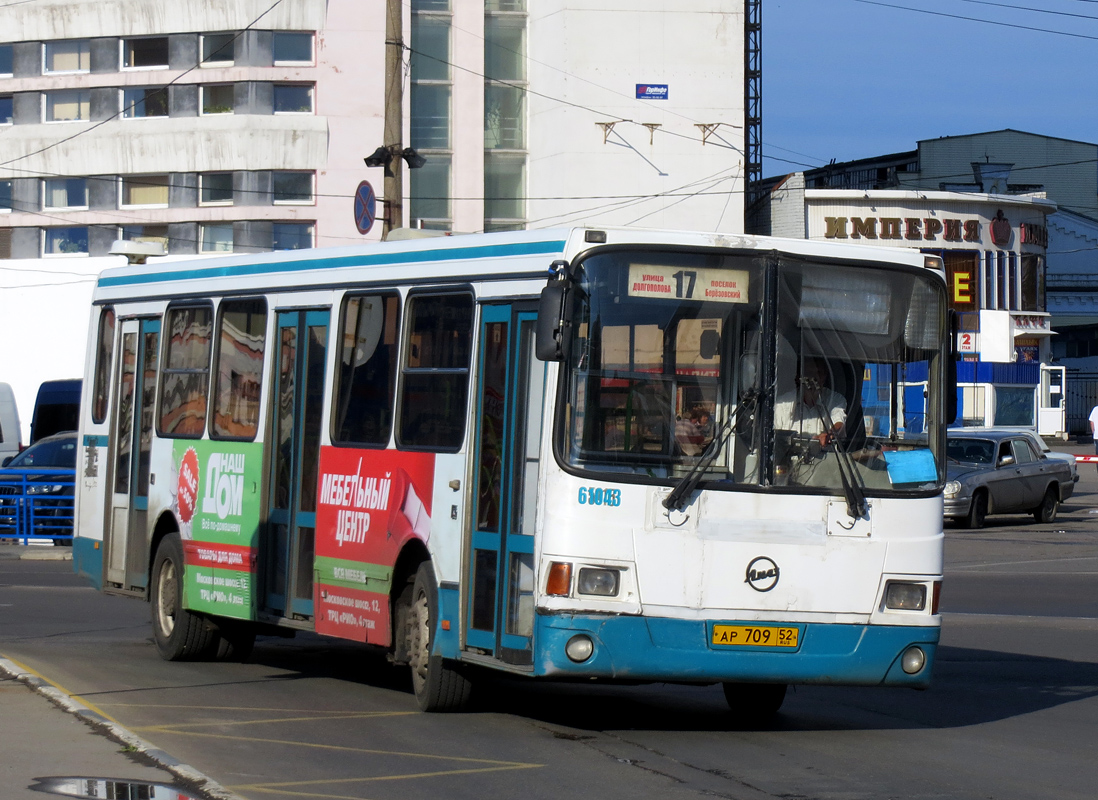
(365, 207)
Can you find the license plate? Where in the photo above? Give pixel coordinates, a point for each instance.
(755, 636)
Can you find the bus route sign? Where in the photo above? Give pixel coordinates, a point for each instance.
(365, 207)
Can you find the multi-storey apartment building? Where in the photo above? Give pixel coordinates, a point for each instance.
(236, 127)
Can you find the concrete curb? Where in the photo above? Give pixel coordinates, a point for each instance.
(29, 553)
(193, 780)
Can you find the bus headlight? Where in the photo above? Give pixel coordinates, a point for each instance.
(602, 582)
(905, 596)
(952, 489)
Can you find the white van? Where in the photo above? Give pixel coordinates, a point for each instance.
(10, 432)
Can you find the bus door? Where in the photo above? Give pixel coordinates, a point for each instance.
(295, 442)
(127, 557)
(509, 416)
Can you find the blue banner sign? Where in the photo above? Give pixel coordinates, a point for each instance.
(651, 91)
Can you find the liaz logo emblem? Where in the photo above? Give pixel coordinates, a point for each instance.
(762, 574)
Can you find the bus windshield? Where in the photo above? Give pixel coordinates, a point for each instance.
(755, 370)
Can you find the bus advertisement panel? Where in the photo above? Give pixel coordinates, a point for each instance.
(369, 504)
(216, 500)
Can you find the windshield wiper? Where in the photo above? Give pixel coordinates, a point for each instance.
(677, 498)
(853, 489)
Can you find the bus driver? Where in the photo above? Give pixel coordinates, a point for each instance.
(813, 409)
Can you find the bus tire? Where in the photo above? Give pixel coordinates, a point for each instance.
(755, 701)
(179, 634)
(438, 683)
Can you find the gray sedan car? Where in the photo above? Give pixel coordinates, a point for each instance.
(1002, 472)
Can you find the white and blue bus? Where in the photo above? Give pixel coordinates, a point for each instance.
(600, 454)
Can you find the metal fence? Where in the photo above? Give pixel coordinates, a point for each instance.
(1081, 396)
(35, 507)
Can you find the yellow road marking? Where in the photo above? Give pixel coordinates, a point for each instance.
(63, 690)
(337, 747)
(282, 788)
(336, 717)
(257, 709)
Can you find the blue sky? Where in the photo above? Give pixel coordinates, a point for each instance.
(848, 79)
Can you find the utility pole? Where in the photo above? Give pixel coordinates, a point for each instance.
(394, 116)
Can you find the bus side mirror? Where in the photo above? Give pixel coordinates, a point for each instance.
(554, 328)
(951, 371)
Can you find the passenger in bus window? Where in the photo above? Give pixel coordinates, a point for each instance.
(694, 432)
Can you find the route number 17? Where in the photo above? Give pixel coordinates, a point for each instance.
(687, 278)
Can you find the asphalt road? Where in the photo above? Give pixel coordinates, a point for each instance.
(1012, 713)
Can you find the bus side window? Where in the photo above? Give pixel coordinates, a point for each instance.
(366, 370)
(186, 375)
(435, 385)
(242, 342)
(103, 350)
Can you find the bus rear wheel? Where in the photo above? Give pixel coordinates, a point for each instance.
(179, 634)
(438, 684)
(755, 701)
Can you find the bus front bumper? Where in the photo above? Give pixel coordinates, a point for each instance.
(674, 650)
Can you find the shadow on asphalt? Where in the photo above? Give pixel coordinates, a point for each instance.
(970, 687)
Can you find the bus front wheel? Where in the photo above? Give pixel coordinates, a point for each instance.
(437, 682)
(179, 634)
(755, 701)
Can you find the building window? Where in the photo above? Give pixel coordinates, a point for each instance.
(1032, 283)
(65, 242)
(72, 55)
(292, 235)
(988, 299)
(145, 190)
(292, 48)
(147, 234)
(5, 197)
(292, 187)
(63, 194)
(69, 105)
(149, 53)
(431, 85)
(7, 109)
(7, 59)
(217, 98)
(146, 102)
(215, 189)
(292, 98)
(505, 84)
(430, 73)
(216, 238)
(218, 49)
(186, 374)
(430, 194)
(504, 191)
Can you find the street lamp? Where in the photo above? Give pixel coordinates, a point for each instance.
(394, 188)
(383, 157)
